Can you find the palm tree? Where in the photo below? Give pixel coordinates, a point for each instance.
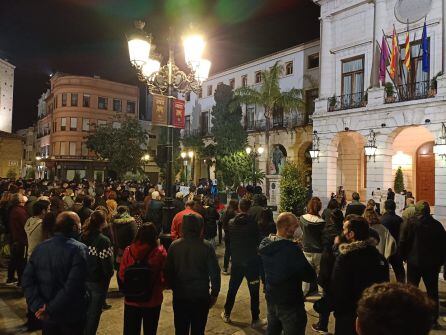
(269, 96)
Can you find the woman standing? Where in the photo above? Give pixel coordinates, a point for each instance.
(144, 247)
(100, 267)
(230, 213)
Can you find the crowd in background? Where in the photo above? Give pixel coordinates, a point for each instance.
(67, 240)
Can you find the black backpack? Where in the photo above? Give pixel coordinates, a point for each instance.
(139, 280)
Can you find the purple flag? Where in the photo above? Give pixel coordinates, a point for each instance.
(383, 61)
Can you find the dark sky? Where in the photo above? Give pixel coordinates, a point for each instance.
(88, 36)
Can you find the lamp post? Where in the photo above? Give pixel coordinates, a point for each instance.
(253, 153)
(185, 156)
(370, 147)
(168, 79)
(314, 151)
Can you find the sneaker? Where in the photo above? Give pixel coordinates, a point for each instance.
(225, 317)
(259, 323)
(11, 282)
(106, 306)
(318, 329)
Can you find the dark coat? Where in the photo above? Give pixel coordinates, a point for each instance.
(423, 242)
(393, 223)
(100, 257)
(244, 236)
(17, 219)
(285, 268)
(358, 266)
(210, 222)
(191, 264)
(155, 213)
(124, 231)
(84, 213)
(355, 207)
(328, 257)
(312, 227)
(55, 275)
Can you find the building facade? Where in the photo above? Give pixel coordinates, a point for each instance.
(11, 152)
(69, 112)
(6, 95)
(30, 164)
(401, 119)
(291, 132)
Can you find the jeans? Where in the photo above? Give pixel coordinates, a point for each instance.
(251, 273)
(134, 315)
(227, 255)
(314, 258)
(286, 319)
(190, 316)
(430, 279)
(17, 261)
(97, 293)
(397, 265)
(50, 328)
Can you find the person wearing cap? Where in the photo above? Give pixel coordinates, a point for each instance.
(423, 247)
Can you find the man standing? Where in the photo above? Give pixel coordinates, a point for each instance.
(17, 219)
(358, 266)
(355, 207)
(423, 247)
(244, 234)
(409, 211)
(175, 229)
(190, 265)
(285, 268)
(54, 279)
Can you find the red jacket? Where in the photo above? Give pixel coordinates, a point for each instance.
(175, 229)
(17, 220)
(156, 259)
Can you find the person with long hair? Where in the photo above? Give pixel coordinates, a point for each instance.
(386, 244)
(229, 214)
(144, 247)
(99, 265)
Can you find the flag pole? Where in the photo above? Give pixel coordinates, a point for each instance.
(392, 79)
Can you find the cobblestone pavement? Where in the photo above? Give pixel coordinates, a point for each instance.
(13, 310)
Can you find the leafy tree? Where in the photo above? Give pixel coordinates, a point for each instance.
(293, 189)
(11, 174)
(269, 96)
(398, 185)
(123, 146)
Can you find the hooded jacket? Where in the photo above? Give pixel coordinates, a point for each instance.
(358, 266)
(285, 268)
(156, 258)
(191, 263)
(312, 227)
(34, 233)
(124, 231)
(245, 240)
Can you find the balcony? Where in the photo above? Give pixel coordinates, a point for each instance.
(347, 101)
(281, 121)
(200, 132)
(407, 92)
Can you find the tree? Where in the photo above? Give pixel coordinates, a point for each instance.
(398, 185)
(123, 146)
(11, 174)
(269, 96)
(229, 135)
(293, 189)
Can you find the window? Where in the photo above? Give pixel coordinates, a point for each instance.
(232, 83)
(131, 107)
(205, 123)
(352, 81)
(187, 124)
(64, 99)
(245, 80)
(258, 77)
(85, 124)
(73, 123)
(74, 99)
(313, 61)
(116, 125)
(250, 117)
(102, 123)
(102, 103)
(84, 149)
(64, 148)
(63, 124)
(117, 105)
(416, 78)
(72, 148)
(187, 96)
(310, 97)
(56, 149)
(288, 68)
(209, 90)
(86, 100)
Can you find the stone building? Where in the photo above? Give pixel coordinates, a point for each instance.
(30, 164)
(291, 132)
(11, 153)
(402, 123)
(6, 95)
(69, 112)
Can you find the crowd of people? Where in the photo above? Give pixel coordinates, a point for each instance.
(67, 240)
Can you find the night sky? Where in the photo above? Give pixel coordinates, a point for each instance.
(87, 37)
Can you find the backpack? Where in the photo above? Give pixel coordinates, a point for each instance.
(139, 280)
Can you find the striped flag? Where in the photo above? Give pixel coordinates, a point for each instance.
(394, 56)
(408, 58)
(383, 60)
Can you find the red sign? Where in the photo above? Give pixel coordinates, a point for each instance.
(159, 109)
(178, 112)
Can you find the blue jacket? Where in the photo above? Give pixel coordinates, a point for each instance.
(285, 268)
(55, 275)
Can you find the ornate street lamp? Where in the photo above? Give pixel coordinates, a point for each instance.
(370, 147)
(253, 153)
(440, 144)
(314, 151)
(168, 79)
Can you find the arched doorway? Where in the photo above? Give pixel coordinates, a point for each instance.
(425, 173)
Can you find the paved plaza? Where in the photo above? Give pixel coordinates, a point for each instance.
(13, 309)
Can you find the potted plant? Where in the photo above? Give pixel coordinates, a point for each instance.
(331, 103)
(433, 85)
(390, 92)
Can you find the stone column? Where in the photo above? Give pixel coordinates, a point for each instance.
(326, 88)
(324, 173)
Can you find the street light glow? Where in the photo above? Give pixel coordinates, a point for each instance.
(248, 150)
(150, 67)
(193, 49)
(190, 154)
(183, 155)
(139, 51)
(260, 150)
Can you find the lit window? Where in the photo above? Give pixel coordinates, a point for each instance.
(64, 99)
(258, 77)
(289, 68)
(244, 80)
(86, 100)
(63, 123)
(74, 99)
(84, 149)
(72, 148)
(116, 125)
(102, 123)
(85, 124)
(73, 123)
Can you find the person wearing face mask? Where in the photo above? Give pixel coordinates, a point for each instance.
(285, 268)
(54, 281)
(358, 266)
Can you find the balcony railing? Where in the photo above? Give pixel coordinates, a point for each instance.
(411, 91)
(347, 101)
(200, 132)
(277, 122)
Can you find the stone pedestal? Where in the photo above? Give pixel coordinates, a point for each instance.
(273, 184)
